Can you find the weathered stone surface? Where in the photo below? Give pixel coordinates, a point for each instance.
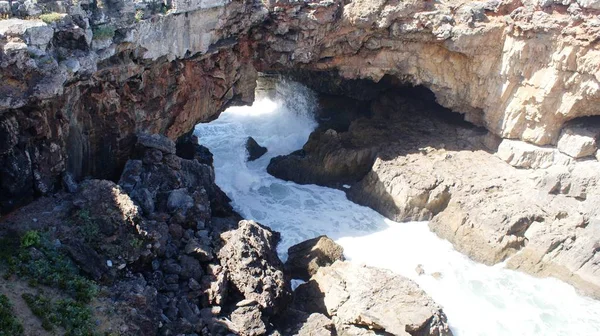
(305, 258)
(470, 54)
(376, 299)
(433, 169)
(81, 85)
(299, 323)
(80, 88)
(253, 266)
(156, 141)
(579, 140)
(523, 155)
(325, 160)
(254, 149)
(248, 320)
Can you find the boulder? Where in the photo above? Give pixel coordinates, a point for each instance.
(250, 258)
(376, 299)
(305, 258)
(156, 141)
(248, 321)
(578, 141)
(255, 150)
(327, 159)
(520, 154)
(296, 322)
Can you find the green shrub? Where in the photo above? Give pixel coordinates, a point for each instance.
(139, 15)
(47, 265)
(9, 325)
(103, 32)
(30, 238)
(51, 17)
(73, 316)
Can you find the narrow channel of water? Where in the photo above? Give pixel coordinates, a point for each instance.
(478, 299)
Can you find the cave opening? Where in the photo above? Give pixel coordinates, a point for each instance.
(361, 120)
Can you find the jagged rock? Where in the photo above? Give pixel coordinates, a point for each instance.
(69, 183)
(578, 140)
(255, 150)
(179, 200)
(156, 141)
(106, 215)
(376, 299)
(305, 258)
(325, 160)
(253, 266)
(200, 249)
(87, 259)
(248, 320)
(298, 323)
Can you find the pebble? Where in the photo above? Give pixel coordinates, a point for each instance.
(109, 263)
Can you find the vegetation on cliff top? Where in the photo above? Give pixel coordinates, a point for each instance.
(9, 325)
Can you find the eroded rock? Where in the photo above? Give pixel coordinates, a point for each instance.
(305, 258)
(250, 258)
(255, 150)
(367, 297)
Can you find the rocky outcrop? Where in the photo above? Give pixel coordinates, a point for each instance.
(501, 63)
(325, 160)
(529, 205)
(79, 85)
(254, 268)
(373, 301)
(81, 78)
(254, 150)
(305, 258)
(166, 248)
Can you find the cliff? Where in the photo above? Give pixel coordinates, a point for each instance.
(80, 78)
(78, 86)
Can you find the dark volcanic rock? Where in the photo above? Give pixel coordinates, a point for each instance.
(156, 141)
(249, 254)
(255, 150)
(305, 258)
(248, 320)
(328, 158)
(189, 149)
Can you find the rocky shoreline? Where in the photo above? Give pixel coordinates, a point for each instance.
(491, 198)
(105, 196)
(170, 257)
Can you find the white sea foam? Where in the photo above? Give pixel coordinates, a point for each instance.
(478, 299)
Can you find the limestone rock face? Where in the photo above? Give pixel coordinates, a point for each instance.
(523, 155)
(470, 54)
(579, 140)
(529, 205)
(368, 297)
(305, 258)
(80, 84)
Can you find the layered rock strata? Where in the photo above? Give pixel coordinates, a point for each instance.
(81, 78)
(519, 68)
(78, 85)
